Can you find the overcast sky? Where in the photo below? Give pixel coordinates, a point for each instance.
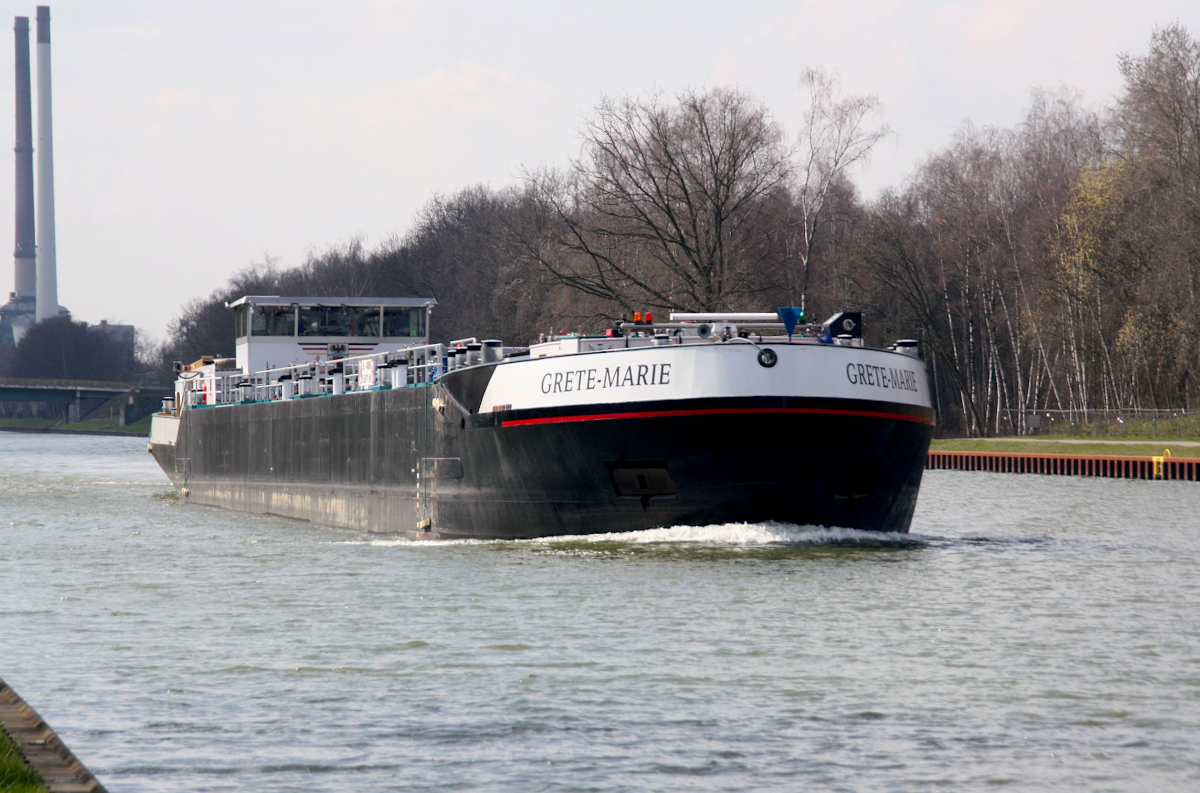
(194, 138)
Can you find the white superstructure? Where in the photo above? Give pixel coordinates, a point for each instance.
(701, 370)
(275, 331)
(300, 347)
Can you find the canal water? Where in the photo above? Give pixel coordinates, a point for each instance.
(1035, 633)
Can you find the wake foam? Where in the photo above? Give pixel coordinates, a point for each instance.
(749, 534)
(718, 534)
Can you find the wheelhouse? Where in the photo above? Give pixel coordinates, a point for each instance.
(275, 331)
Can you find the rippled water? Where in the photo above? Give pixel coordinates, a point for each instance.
(1033, 632)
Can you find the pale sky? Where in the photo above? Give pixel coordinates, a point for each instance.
(193, 138)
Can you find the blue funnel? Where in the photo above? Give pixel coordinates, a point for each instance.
(790, 317)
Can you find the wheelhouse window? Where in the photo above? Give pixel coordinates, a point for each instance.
(398, 321)
(273, 321)
(241, 322)
(339, 321)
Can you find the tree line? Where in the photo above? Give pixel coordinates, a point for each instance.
(1051, 265)
(59, 348)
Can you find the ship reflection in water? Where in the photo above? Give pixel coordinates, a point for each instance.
(1031, 631)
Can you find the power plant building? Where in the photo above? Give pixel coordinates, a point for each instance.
(35, 282)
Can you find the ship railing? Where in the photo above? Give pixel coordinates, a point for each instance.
(410, 366)
(713, 331)
(208, 389)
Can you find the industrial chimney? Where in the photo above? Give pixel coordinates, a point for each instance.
(25, 251)
(47, 265)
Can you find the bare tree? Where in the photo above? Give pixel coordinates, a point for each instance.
(895, 249)
(972, 251)
(458, 252)
(838, 133)
(1157, 123)
(665, 206)
(1158, 115)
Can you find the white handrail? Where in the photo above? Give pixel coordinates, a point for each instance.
(425, 362)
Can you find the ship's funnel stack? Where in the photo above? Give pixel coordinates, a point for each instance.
(47, 265)
(25, 251)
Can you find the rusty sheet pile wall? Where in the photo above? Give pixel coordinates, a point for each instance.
(1111, 466)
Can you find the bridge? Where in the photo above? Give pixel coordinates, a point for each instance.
(87, 399)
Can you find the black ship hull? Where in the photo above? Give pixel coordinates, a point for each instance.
(415, 460)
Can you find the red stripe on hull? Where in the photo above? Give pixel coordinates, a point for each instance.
(650, 414)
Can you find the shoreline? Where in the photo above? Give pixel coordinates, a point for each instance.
(44, 752)
(1074, 447)
(60, 431)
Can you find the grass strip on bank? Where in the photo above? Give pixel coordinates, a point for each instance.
(1066, 446)
(139, 427)
(15, 775)
(33, 424)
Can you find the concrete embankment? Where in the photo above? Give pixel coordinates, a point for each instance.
(1103, 465)
(59, 769)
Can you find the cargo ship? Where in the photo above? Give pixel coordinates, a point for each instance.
(342, 412)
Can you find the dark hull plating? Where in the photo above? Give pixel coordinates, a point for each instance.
(390, 460)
